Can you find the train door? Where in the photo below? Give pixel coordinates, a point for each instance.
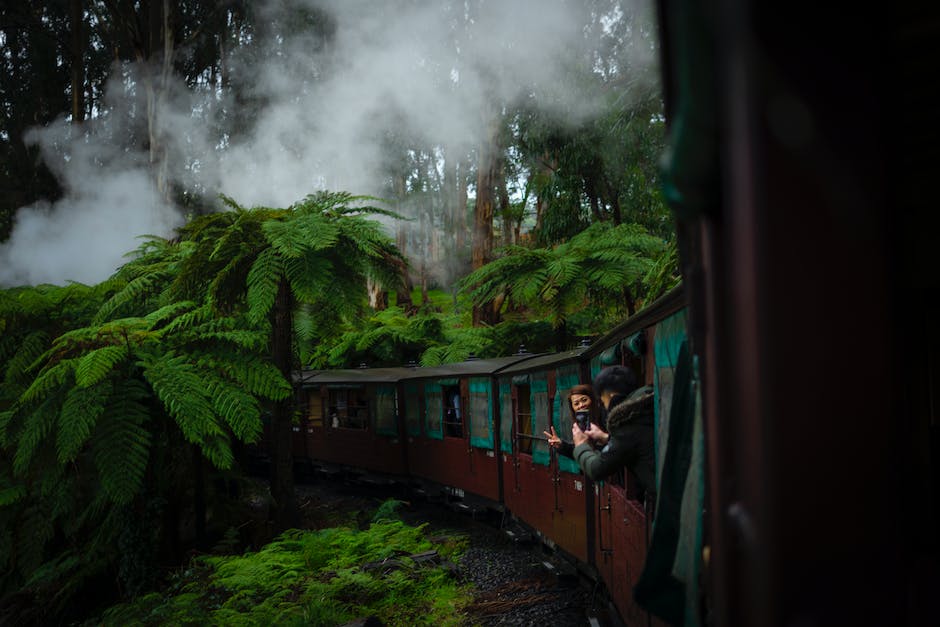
(532, 474)
(570, 515)
(411, 411)
(479, 423)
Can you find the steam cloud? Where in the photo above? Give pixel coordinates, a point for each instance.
(425, 68)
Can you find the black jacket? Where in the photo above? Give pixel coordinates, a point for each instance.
(630, 424)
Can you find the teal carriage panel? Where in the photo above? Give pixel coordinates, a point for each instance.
(481, 412)
(566, 378)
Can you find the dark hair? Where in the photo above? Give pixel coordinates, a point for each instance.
(585, 390)
(617, 379)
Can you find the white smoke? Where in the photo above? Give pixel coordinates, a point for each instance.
(428, 69)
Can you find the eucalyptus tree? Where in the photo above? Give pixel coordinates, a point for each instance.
(310, 261)
(602, 267)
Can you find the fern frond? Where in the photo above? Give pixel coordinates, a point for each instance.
(237, 408)
(47, 380)
(171, 312)
(257, 377)
(10, 494)
(121, 448)
(29, 350)
(218, 450)
(263, 278)
(183, 393)
(136, 292)
(97, 364)
(80, 412)
(37, 424)
(310, 276)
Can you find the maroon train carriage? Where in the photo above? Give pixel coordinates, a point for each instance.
(541, 488)
(349, 420)
(450, 419)
(649, 343)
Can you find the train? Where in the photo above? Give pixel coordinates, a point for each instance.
(802, 143)
(471, 434)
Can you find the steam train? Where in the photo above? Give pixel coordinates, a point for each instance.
(802, 148)
(470, 433)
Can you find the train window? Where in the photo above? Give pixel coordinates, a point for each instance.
(433, 410)
(453, 412)
(314, 407)
(566, 378)
(523, 419)
(541, 418)
(348, 408)
(412, 409)
(505, 416)
(385, 410)
(480, 419)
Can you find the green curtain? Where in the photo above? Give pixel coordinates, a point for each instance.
(481, 413)
(505, 416)
(434, 411)
(412, 409)
(541, 417)
(385, 418)
(668, 585)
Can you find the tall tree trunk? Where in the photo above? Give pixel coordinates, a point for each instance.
(461, 224)
(77, 59)
(287, 514)
(505, 207)
(403, 295)
(487, 173)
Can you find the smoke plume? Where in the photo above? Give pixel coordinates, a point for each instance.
(313, 112)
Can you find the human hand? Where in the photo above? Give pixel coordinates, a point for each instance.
(597, 434)
(553, 440)
(579, 436)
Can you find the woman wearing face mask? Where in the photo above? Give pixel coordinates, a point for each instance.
(580, 399)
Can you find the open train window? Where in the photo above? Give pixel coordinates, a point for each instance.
(523, 419)
(313, 407)
(348, 408)
(453, 413)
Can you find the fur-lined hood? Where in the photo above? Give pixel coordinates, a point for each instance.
(636, 408)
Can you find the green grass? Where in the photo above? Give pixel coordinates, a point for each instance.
(312, 578)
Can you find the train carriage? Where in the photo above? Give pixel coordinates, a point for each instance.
(451, 421)
(350, 418)
(623, 523)
(541, 488)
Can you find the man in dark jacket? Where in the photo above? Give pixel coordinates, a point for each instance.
(629, 439)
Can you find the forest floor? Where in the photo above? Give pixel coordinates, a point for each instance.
(515, 582)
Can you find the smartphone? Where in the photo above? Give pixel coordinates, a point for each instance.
(583, 418)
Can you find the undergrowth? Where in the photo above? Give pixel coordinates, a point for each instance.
(326, 577)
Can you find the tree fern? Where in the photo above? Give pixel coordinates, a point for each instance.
(80, 412)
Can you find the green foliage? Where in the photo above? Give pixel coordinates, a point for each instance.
(311, 577)
(603, 267)
(386, 338)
